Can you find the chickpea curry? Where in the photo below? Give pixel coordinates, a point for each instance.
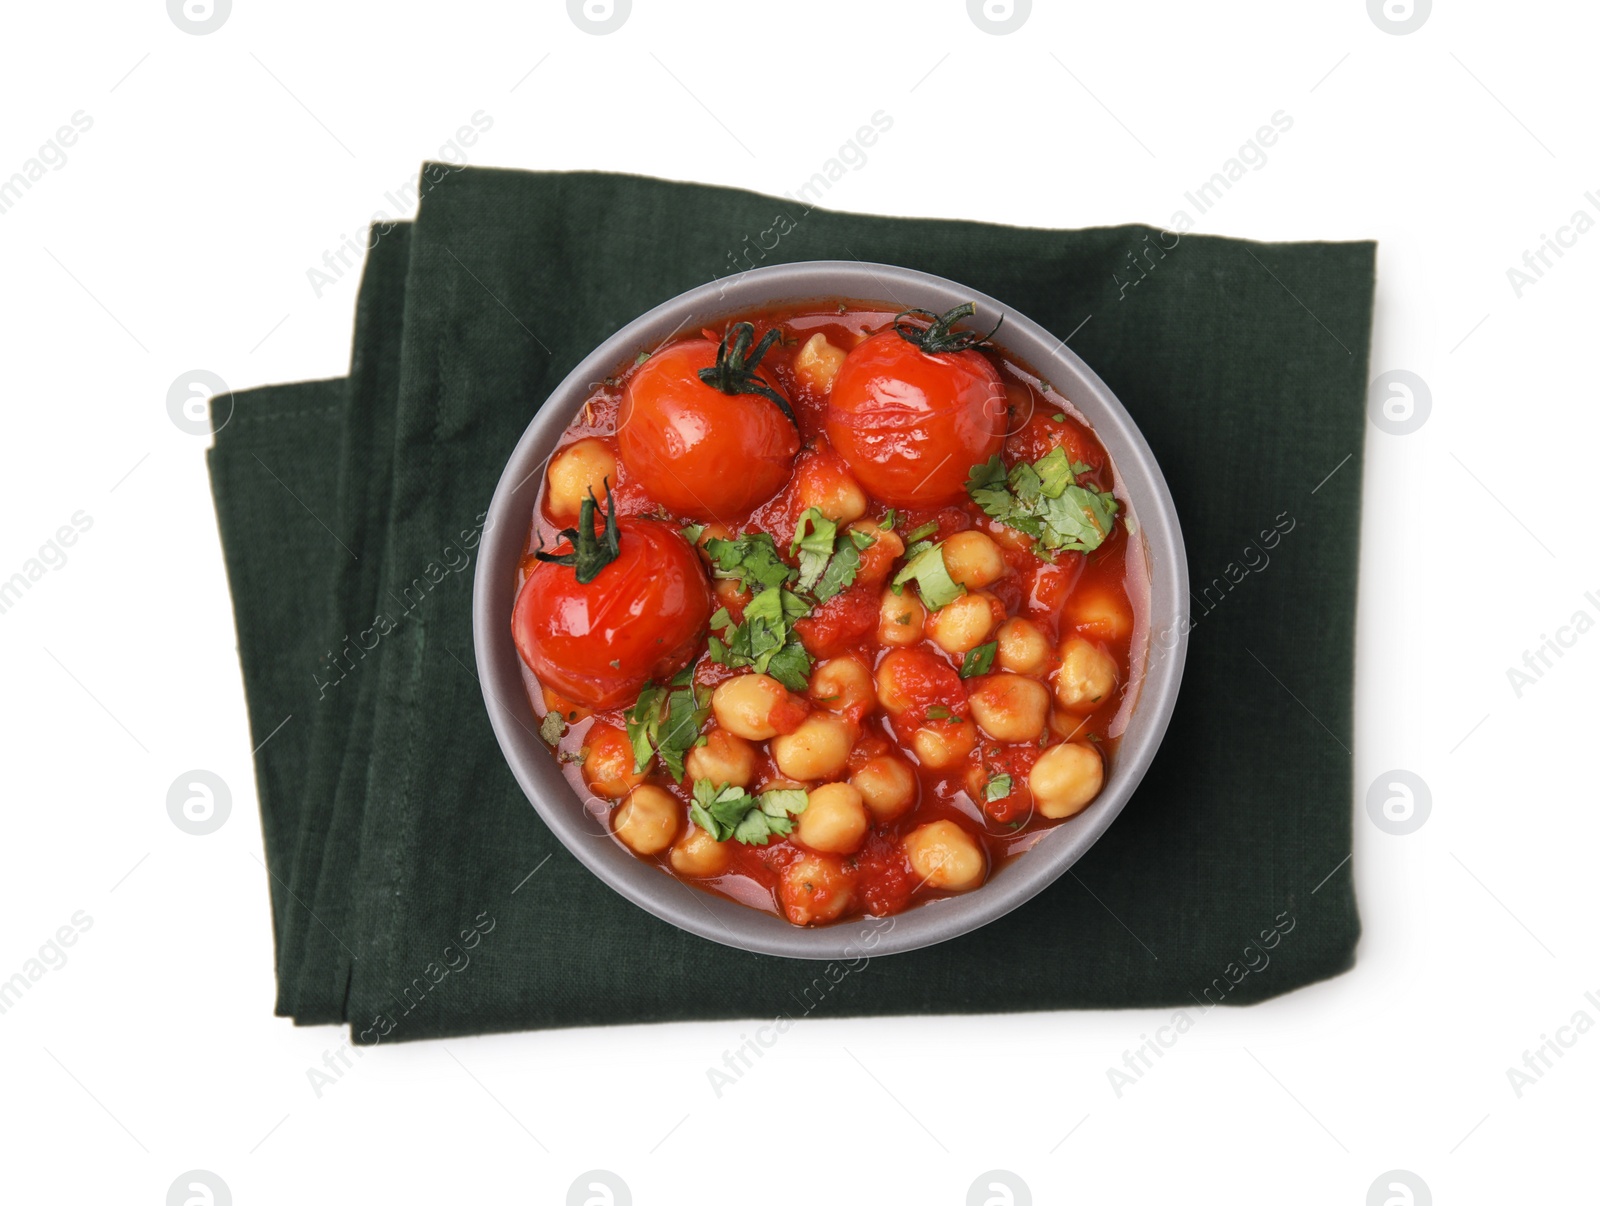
(831, 611)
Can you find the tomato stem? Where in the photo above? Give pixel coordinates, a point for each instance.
(735, 370)
(937, 336)
(590, 553)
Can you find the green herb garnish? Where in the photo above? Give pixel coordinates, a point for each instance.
(1044, 500)
(813, 540)
(979, 660)
(764, 640)
(829, 558)
(731, 812)
(934, 583)
(998, 788)
(752, 560)
(665, 723)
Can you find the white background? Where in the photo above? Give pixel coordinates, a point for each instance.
(178, 235)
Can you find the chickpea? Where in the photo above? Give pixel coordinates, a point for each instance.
(745, 705)
(730, 594)
(574, 471)
(828, 486)
(943, 743)
(878, 558)
(1023, 647)
(817, 363)
(835, 820)
(554, 701)
(888, 787)
(1066, 778)
(818, 749)
(973, 560)
(816, 888)
(780, 785)
(698, 855)
(712, 531)
(963, 624)
(648, 820)
(898, 671)
(608, 766)
(1009, 538)
(1066, 725)
(724, 758)
(900, 618)
(1100, 614)
(1010, 707)
(944, 855)
(843, 684)
(1086, 677)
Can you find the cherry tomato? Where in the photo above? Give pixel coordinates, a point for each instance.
(702, 450)
(642, 617)
(911, 422)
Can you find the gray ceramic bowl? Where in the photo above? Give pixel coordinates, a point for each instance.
(1164, 640)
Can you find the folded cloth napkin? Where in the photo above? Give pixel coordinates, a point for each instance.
(415, 892)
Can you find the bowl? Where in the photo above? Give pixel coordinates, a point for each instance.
(1153, 525)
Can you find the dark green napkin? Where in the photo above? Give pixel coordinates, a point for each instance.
(415, 891)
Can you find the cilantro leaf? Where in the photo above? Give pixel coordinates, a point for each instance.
(644, 723)
(841, 571)
(751, 559)
(978, 661)
(1044, 500)
(998, 788)
(731, 812)
(791, 666)
(813, 540)
(764, 640)
(934, 583)
(665, 723)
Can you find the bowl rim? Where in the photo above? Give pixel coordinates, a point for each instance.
(1058, 848)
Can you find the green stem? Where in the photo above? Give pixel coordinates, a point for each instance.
(937, 336)
(734, 373)
(590, 553)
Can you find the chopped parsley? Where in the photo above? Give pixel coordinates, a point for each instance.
(978, 661)
(829, 559)
(665, 723)
(998, 788)
(731, 812)
(751, 559)
(934, 583)
(765, 639)
(813, 540)
(1044, 500)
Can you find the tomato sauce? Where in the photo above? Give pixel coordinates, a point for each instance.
(1099, 596)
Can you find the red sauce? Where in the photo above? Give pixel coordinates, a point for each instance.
(1099, 596)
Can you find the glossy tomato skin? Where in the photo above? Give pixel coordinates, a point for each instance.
(699, 452)
(643, 617)
(912, 424)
